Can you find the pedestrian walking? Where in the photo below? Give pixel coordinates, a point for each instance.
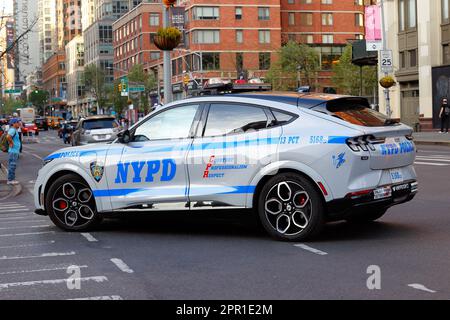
(14, 150)
(444, 115)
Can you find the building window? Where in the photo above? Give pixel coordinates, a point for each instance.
(264, 36)
(291, 18)
(413, 58)
(239, 36)
(307, 38)
(359, 20)
(306, 19)
(155, 55)
(446, 48)
(327, 1)
(264, 60)
(206, 36)
(329, 56)
(327, 19)
(445, 11)
(263, 13)
(211, 61)
(305, 1)
(327, 38)
(206, 13)
(407, 15)
(238, 13)
(154, 19)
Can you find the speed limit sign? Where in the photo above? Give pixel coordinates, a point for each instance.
(387, 64)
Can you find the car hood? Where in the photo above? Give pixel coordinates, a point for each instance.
(76, 152)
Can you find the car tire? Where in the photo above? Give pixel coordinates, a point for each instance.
(367, 217)
(290, 208)
(70, 204)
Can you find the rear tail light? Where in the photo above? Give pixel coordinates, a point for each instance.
(364, 143)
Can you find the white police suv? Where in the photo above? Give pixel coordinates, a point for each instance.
(298, 160)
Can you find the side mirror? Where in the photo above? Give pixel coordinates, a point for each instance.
(124, 136)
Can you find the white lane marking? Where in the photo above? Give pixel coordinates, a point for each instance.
(44, 255)
(41, 270)
(100, 298)
(27, 221)
(11, 206)
(89, 237)
(26, 234)
(310, 249)
(432, 159)
(121, 265)
(34, 155)
(26, 227)
(14, 217)
(431, 164)
(29, 245)
(421, 287)
(15, 210)
(97, 279)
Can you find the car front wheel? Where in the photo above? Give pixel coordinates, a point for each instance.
(290, 208)
(71, 205)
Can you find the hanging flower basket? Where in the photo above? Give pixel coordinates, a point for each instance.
(169, 3)
(167, 39)
(387, 82)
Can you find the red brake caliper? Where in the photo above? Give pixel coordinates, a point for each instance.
(62, 205)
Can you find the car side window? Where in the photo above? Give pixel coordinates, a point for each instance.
(224, 119)
(173, 123)
(283, 117)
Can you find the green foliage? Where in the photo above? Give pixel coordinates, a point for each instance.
(171, 33)
(137, 76)
(38, 98)
(94, 81)
(347, 75)
(284, 73)
(11, 105)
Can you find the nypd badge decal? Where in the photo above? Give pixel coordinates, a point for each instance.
(97, 170)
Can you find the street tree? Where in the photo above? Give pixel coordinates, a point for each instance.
(10, 105)
(137, 76)
(38, 98)
(347, 76)
(294, 60)
(94, 80)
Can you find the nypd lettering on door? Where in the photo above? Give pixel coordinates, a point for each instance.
(146, 171)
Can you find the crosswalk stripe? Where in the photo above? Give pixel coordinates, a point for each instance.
(101, 298)
(44, 255)
(97, 279)
(432, 164)
(433, 159)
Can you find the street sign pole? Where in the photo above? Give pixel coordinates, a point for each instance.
(386, 90)
(167, 73)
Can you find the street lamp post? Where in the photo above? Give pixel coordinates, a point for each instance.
(386, 90)
(168, 98)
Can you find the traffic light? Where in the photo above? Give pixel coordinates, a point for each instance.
(120, 87)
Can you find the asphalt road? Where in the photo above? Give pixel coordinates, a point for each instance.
(227, 256)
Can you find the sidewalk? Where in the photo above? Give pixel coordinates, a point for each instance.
(7, 191)
(432, 138)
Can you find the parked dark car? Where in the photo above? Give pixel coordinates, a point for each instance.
(42, 124)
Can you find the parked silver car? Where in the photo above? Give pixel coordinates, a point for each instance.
(95, 129)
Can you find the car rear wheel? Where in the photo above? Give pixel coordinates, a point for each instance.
(367, 217)
(290, 208)
(71, 205)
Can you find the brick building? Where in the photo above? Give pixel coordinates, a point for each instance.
(230, 38)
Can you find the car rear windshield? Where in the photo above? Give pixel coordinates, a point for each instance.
(355, 111)
(99, 124)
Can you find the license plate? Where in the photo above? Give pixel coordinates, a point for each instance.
(101, 136)
(396, 175)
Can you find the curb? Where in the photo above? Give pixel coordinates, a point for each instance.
(432, 143)
(15, 191)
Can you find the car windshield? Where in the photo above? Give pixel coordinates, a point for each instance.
(100, 124)
(355, 111)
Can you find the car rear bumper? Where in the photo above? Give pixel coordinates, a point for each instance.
(380, 198)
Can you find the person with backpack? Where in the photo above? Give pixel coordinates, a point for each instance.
(14, 145)
(444, 115)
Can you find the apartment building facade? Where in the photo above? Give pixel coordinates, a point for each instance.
(419, 35)
(74, 73)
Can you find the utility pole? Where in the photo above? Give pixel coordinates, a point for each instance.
(386, 90)
(168, 98)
